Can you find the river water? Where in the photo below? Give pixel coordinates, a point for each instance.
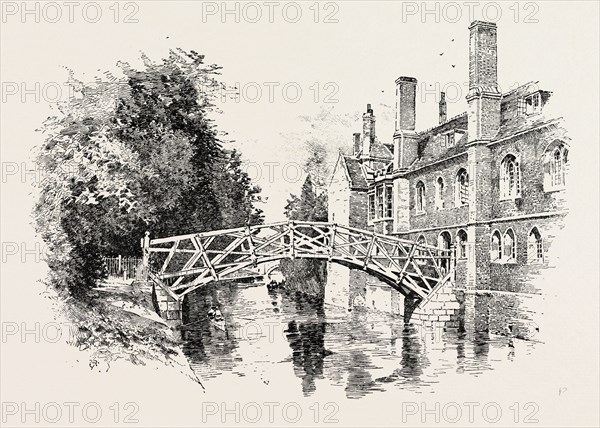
(273, 337)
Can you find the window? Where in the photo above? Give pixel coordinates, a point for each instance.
(461, 244)
(531, 104)
(439, 193)
(496, 247)
(420, 197)
(379, 197)
(556, 165)
(510, 246)
(371, 206)
(535, 248)
(444, 242)
(449, 139)
(462, 187)
(510, 178)
(389, 201)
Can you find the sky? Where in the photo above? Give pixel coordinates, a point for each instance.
(298, 80)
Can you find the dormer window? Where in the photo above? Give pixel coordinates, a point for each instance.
(531, 104)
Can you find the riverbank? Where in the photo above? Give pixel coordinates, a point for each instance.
(119, 323)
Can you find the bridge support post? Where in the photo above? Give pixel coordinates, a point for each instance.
(452, 266)
(167, 307)
(145, 256)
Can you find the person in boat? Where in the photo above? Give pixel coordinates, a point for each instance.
(215, 314)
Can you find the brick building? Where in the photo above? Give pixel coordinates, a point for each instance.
(489, 182)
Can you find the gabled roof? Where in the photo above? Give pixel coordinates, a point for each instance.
(428, 153)
(381, 151)
(355, 172)
(512, 122)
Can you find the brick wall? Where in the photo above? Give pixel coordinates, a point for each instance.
(529, 149)
(516, 277)
(451, 214)
(359, 209)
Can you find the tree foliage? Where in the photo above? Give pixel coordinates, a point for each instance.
(132, 154)
(306, 275)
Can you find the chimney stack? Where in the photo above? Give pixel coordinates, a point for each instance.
(443, 115)
(368, 131)
(483, 55)
(357, 145)
(405, 137)
(406, 94)
(483, 97)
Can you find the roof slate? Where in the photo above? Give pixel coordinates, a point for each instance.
(355, 172)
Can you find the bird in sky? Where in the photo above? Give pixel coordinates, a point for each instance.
(453, 65)
(442, 54)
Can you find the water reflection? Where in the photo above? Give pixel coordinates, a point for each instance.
(357, 352)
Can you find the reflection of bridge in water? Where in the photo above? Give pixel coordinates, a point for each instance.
(184, 263)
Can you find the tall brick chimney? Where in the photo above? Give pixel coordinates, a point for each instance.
(483, 97)
(368, 131)
(405, 139)
(483, 123)
(357, 143)
(406, 94)
(443, 114)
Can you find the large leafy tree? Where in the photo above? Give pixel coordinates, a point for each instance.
(306, 275)
(132, 154)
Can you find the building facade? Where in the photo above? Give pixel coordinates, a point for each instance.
(489, 182)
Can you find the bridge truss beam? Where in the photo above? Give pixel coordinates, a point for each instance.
(185, 263)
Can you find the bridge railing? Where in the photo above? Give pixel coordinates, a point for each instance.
(216, 255)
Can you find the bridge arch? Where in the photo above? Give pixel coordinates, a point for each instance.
(181, 264)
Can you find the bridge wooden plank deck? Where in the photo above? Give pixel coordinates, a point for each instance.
(184, 263)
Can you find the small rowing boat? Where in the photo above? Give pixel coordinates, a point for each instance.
(216, 319)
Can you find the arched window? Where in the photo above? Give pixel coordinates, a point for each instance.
(421, 253)
(444, 242)
(439, 193)
(461, 244)
(461, 188)
(496, 247)
(556, 166)
(510, 246)
(420, 202)
(535, 247)
(510, 178)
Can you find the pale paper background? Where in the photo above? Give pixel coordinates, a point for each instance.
(362, 54)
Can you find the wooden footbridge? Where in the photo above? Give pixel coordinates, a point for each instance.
(182, 264)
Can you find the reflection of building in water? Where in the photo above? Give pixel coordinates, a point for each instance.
(489, 182)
